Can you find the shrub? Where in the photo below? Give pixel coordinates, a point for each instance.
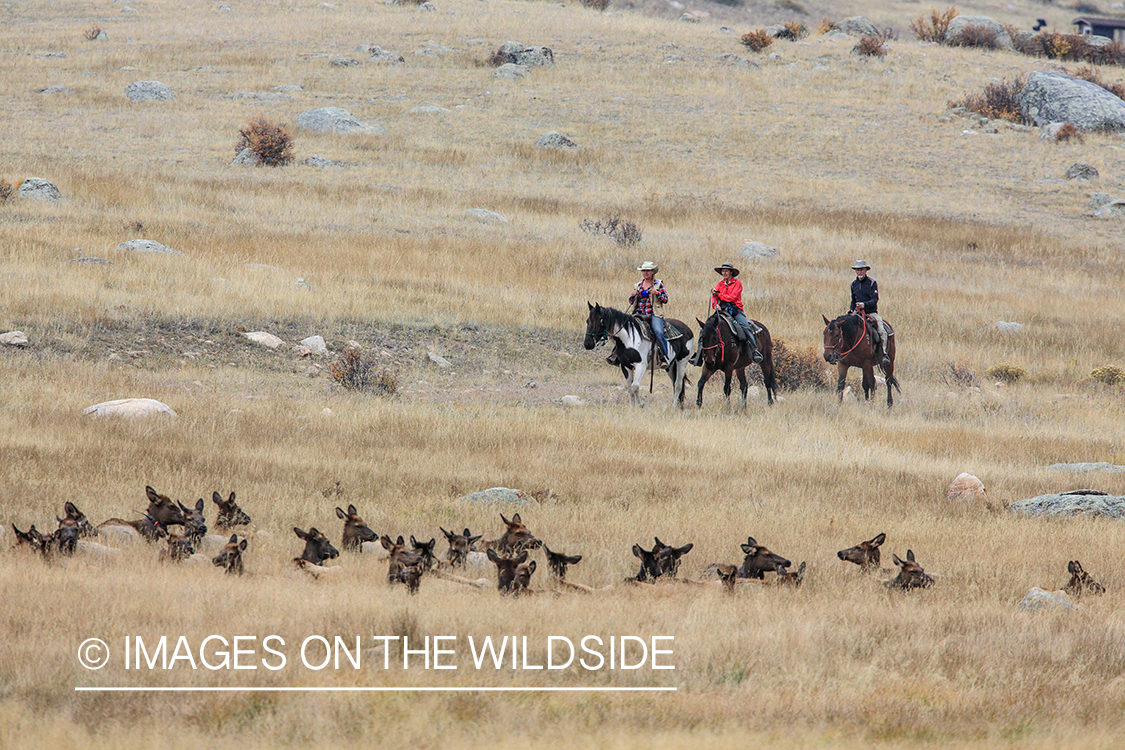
(793, 30)
(870, 46)
(6, 190)
(1055, 45)
(355, 371)
(623, 232)
(92, 33)
(1111, 54)
(1108, 374)
(498, 58)
(595, 4)
(1007, 373)
(975, 36)
(959, 374)
(826, 25)
(1069, 132)
(757, 40)
(136, 226)
(933, 29)
(1091, 75)
(798, 367)
(271, 141)
(998, 101)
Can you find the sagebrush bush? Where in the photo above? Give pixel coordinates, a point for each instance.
(355, 371)
(793, 31)
(1007, 373)
(1056, 46)
(974, 36)
(1110, 54)
(6, 190)
(799, 367)
(92, 33)
(998, 101)
(826, 24)
(756, 40)
(1069, 132)
(1108, 374)
(624, 232)
(271, 141)
(935, 27)
(870, 46)
(959, 374)
(595, 4)
(497, 58)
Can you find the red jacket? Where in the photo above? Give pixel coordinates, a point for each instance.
(727, 292)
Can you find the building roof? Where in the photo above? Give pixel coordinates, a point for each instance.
(1113, 23)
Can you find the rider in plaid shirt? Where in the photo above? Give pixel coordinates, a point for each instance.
(647, 300)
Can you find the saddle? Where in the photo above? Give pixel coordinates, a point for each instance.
(670, 332)
(735, 330)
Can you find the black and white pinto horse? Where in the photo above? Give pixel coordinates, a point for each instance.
(633, 343)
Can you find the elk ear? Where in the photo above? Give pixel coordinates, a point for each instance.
(700, 322)
(505, 520)
(183, 508)
(386, 542)
(413, 541)
(400, 541)
(150, 493)
(752, 541)
(300, 534)
(340, 512)
(465, 533)
(1074, 567)
(801, 569)
(748, 548)
(575, 560)
(877, 541)
(898, 562)
(352, 511)
(516, 518)
(58, 519)
(446, 533)
(638, 552)
(199, 505)
(233, 539)
(216, 498)
(549, 552)
(531, 567)
(910, 555)
(313, 531)
(521, 558)
(474, 539)
(491, 553)
(685, 549)
(242, 545)
(827, 322)
(71, 509)
(589, 305)
(231, 498)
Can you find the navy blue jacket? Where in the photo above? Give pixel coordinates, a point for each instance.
(867, 292)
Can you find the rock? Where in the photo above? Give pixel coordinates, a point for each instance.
(89, 261)
(334, 120)
(326, 412)
(58, 88)
(1097, 200)
(688, 18)
(1007, 327)
(428, 110)
(302, 351)
(1053, 97)
(960, 23)
(336, 61)
(101, 36)
(247, 157)
(497, 495)
(571, 401)
(857, 26)
(438, 360)
(39, 189)
(427, 6)
(312, 371)
(151, 247)
(1083, 467)
(380, 55)
(1073, 503)
(509, 70)
(1080, 171)
(321, 162)
(753, 250)
(527, 57)
(300, 283)
(484, 216)
(316, 344)
(149, 91)
(265, 339)
(289, 88)
(17, 339)
(129, 407)
(554, 139)
(1036, 599)
(1111, 211)
(966, 488)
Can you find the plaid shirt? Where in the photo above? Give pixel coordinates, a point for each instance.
(643, 305)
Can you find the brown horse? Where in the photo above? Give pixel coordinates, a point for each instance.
(719, 351)
(847, 344)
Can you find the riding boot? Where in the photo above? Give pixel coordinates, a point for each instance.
(752, 347)
(881, 354)
(612, 358)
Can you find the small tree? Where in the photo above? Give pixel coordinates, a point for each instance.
(757, 40)
(271, 141)
(934, 28)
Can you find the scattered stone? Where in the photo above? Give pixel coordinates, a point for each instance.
(1112, 211)
(300, 283)
(380, 55)
(527, 57)
(1084, 467)
(316, 344)
(1097, 200)
(147, 246)
(39, 189)
(89, 260)
(497, 495)
(484, 216)
(857, 26)
(427, 6)
(966, 488)
(312, 371)
(554, 139)
(334, 120)
(1053, 97)
(1036, 599)
(1080, 171)
(343, 62)
(753, 250)
(130, 408)
(438, 360)
(288, 88)
(1007, 327)
(510, 70)
(958, 25)
(726, 30)
(571, 401)
(247, 157)
(1073, 503)
(688, 18)
(58, 88)
(265, 339)
(302, 351)
(101, 36)
(321, 162)
(326, 412)
(149, 91)
(17, 339)
(430, 110)
(224, 9)
(129, 11)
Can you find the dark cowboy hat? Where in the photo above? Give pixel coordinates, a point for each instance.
(728, 267)
(860, 264)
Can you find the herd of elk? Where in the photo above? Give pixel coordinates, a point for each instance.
(510, 552)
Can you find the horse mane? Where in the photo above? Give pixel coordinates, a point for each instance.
(848, 324)
(711, 325)
(612, 316)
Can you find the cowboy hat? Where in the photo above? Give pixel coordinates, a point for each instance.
(648, 265)
(727, 267)
(860, 264)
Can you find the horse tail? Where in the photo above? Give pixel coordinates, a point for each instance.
(891, 379)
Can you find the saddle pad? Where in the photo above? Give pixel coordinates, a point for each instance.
(670, 331)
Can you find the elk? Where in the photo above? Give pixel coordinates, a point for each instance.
(161, 514)
(728, 574)
(356, 530)
(195, 526)
(147, 528)
(425, 552)
(668, 557)
(650, 564)
(864, 554)
(910, 574)
(785, 578)
(230, 515)
(557, 563)
(460, 545)
(317, 547)
(230, 557)
(72, 527)
(179, 548)
(759, 560)
(1080, 581)
(513, 573)
(33, 539)
(515, 539)
(402, 566)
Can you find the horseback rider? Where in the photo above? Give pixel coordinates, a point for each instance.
(647, 302)
(727, 296)
(865, 301)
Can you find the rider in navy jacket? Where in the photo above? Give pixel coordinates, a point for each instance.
(866, 290)
(865, 299)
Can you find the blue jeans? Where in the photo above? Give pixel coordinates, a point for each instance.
(658, 329)
(740, 320)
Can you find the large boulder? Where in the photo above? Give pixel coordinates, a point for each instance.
(966, 488)
(334, 120)
(1053, 97)
(39, 189)
(528, 57)
(960, 23)
(1073, 503)
(149, 91)
(149, 247)
(857, 26)
(130, 408)
(497, 495)
(555, 139)
(1037, 599)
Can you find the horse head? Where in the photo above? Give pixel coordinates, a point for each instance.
(838, 336)
(710, 341)
(595, 326)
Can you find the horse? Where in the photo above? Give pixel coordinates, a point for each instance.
(633, 344)
(847, 344)
(720, 351)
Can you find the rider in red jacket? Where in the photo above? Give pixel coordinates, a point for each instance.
(727, 296)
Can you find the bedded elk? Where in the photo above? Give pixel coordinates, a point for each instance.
(71, 528)
(910, 574)
(161, 514)
(557, 564)
(1080, 581)
(230, 557)
(179, 548)
(195, 526)
(728, 575)
(356, 530)
(33, 540)
(794, 579)
(759, 560)
(317, 547)
(864, 554)
(460, 545)
(513, 573)
(230, 515)
(514, 539)
(402, 566)
(425, 552)
(662, 561)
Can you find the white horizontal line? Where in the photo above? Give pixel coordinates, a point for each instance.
(373, 689)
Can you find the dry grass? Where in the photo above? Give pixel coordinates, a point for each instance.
(962, 232)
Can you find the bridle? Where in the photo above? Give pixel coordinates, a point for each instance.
(858, 340)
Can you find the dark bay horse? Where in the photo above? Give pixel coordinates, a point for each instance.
(720, 352)
(633, 342)
(847, 344)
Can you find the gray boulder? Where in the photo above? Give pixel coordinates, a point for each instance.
(17, 339)
(130, 408)
(315, 344)
(509, 70)
(1114, 210)
(960, 23)
(484, 216)
(149, 91)
(857, 26)
(58, 88)
(1053, 97)
(39, 189)
(321, 162)
(247, 157)
(149, 247)
(1007, 326)
(334, 120)
(528, 57)
(497, 495)
(554, 139)
(1073, 503)
(1037, 599)
(754, 250)
(1081, 171)
(1089, 466)
(385, 57)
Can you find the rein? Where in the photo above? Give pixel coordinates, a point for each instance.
(859, 339)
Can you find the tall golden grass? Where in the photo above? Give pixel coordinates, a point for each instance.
(827, 165)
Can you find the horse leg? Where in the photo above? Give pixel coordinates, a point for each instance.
(679, 372)
(841, 380)
(729, 373)
(868, 381)
(707, 373)
(743, 384)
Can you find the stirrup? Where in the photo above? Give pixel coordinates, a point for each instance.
(757, 357)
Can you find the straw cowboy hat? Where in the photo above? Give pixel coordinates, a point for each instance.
(727, 267)
(648, 265)
(860, 264)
